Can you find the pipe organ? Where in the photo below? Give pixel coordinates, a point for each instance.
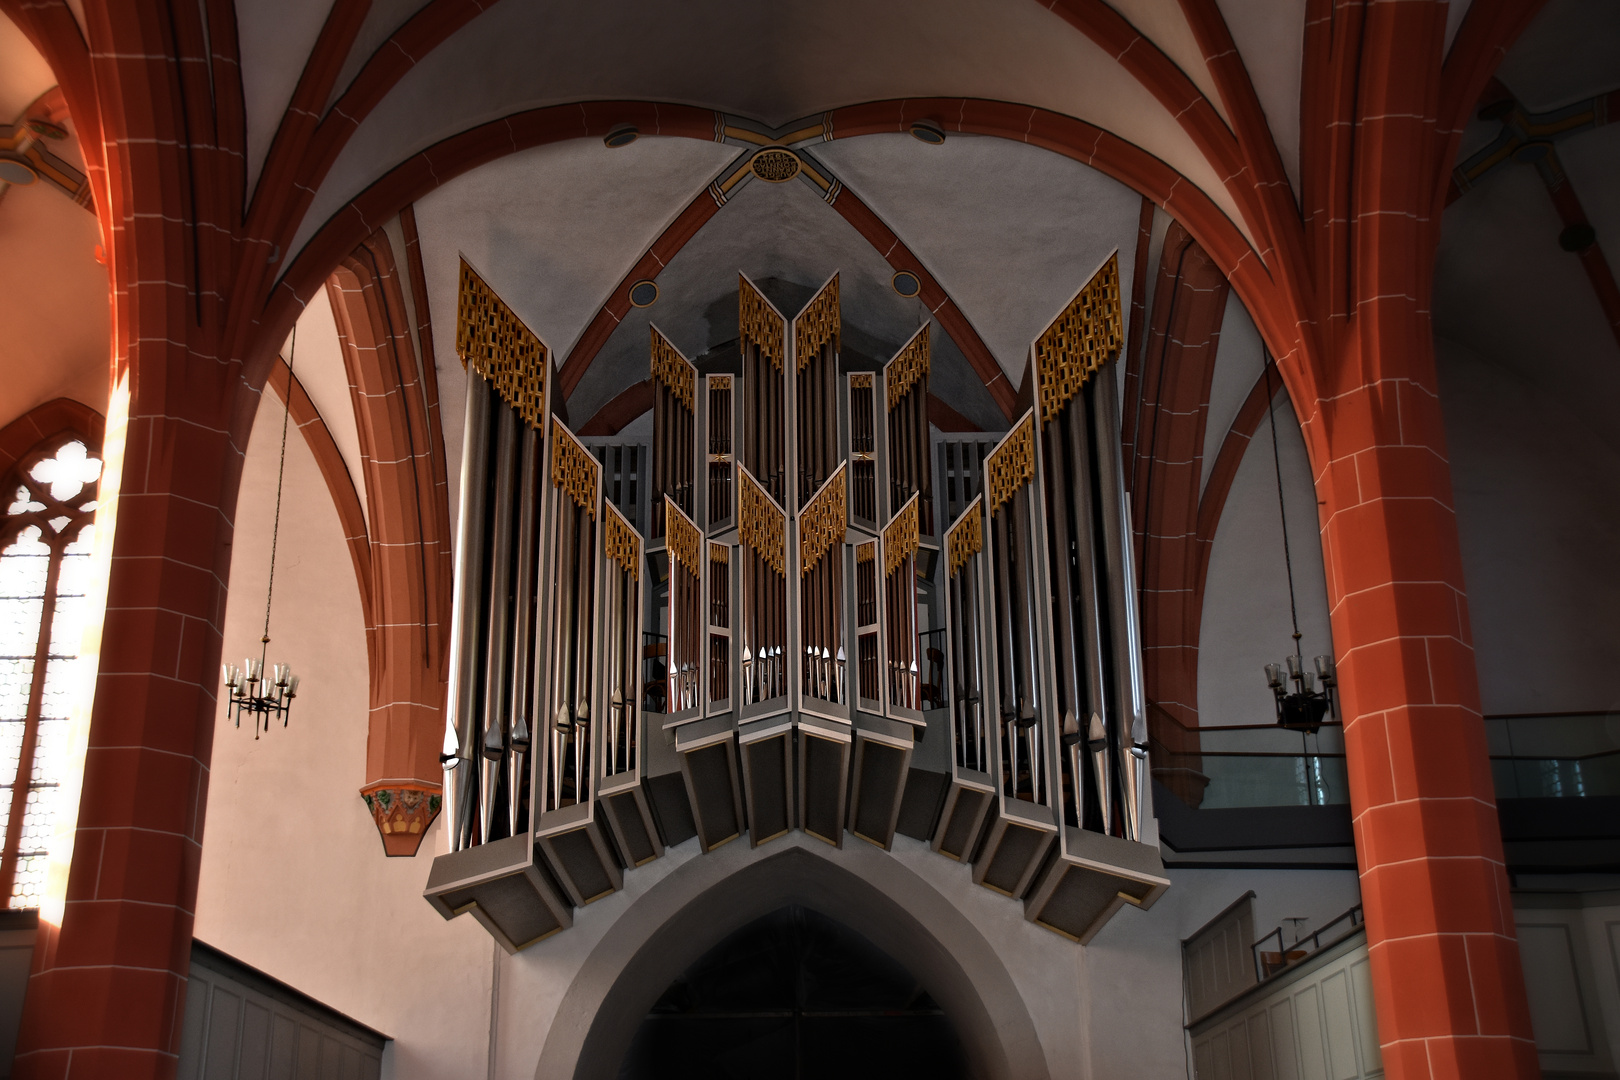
(801, 636)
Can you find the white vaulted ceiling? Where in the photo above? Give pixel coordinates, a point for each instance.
(769, 62)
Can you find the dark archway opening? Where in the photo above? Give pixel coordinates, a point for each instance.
(794, 994)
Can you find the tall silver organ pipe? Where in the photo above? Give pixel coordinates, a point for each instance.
(500, 616)
(767, 645)
(466, 640)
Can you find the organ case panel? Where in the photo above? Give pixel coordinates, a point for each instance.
(752, 624)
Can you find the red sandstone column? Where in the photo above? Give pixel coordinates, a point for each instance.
(1445, 964)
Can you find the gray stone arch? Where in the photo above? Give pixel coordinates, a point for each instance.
(689, 912)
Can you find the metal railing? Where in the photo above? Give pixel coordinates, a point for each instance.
(1554, 755)
(1533, 756)
(1269, 963)
(1245, 765)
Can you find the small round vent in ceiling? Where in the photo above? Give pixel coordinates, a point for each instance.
(644, 292)
(623, 135)
(775, 165)
(906, 284)
(16, 172)
(927, 131)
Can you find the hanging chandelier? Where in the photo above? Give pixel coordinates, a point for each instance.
(250, 691)
(1305, 707)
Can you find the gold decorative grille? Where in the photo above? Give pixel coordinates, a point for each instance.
(1011, 464)
(621, 542)
(719, 382)
(719, 554)
(573, 469)
(758, 322)
(1086, 336)
(908, 365)
(774, 165)
(817, 324)
(865, 553)
(821, 523)
(494, 342)
(672, 369)
(966, 538)
(760, 524)
(682, 536)
(900, 537)
(861, 380)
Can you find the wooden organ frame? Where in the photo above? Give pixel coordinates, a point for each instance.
(796, 641)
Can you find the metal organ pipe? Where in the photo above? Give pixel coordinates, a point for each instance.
(497, 659)
(466, 643)
(1130, 721)
(523, 717)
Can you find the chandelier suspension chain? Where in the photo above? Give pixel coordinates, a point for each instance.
(281, 472)
(1282, 509)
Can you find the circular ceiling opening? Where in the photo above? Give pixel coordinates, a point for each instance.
(795, 993)
(623, 135)
(906, 283)
(644, 292)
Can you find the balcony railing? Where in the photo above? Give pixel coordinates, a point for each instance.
(1533, 756)
(1555, 755)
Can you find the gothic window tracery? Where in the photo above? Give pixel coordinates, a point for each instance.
(44, 566)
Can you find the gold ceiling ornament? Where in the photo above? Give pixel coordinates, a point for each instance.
(1011, 464)
(621, 542)
(493, 341)
(719, 382)
(1086, 336)
(672, 369)
(865, 553)
(861, 380)
(966, 538)
(775, 164)
(900, 537)
(719, 554)
(761, 524)
(758, 322)
(821, 522)
(817, 324)
(682, 536)
(573, 469)
(908, 366)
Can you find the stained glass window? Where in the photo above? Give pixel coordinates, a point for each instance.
(44, 562)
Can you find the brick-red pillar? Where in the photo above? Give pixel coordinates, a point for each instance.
(106, 994)
(1445, 965)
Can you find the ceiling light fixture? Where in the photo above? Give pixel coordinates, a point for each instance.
(644, 293)
(1305, 707)
(927, 131)
(250, 690)
(623, 135)
(906, 284)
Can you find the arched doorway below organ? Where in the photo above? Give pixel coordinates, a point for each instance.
(795, 993)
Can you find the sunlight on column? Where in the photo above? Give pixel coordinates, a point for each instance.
(77, 741)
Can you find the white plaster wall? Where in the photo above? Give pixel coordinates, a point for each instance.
(1240, 361)
(1246, 622)
(293, 878)
(1538, 514)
